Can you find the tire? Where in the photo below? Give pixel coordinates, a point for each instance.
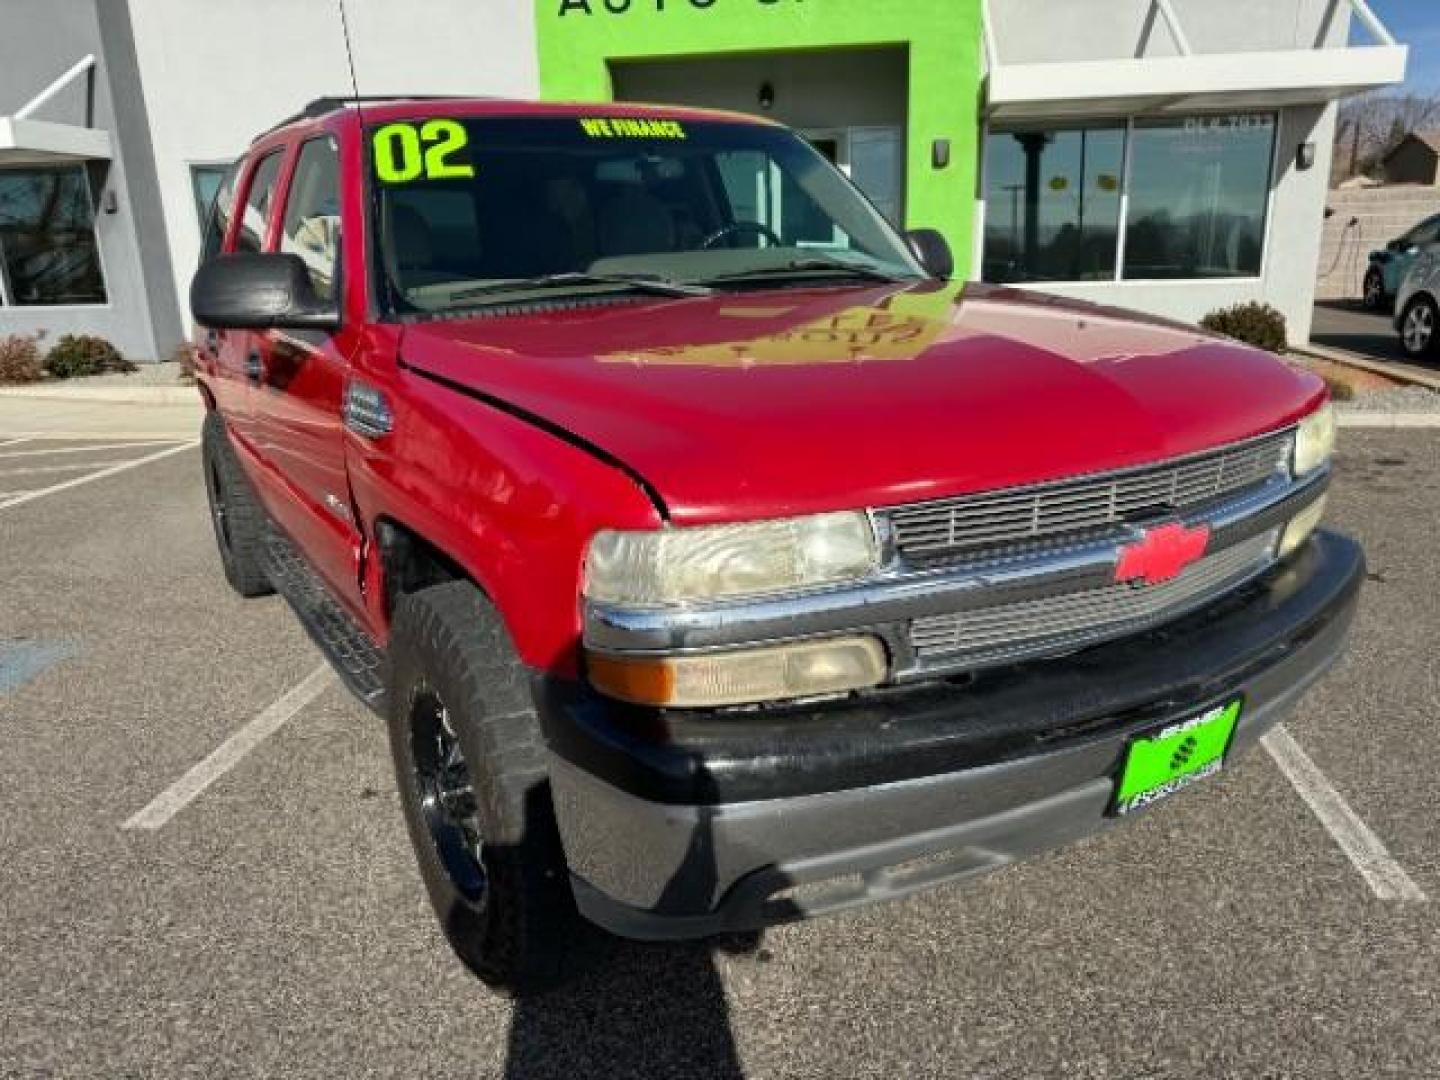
(456, 685)
(237, 517)
(1420, 327)
(1373, 291)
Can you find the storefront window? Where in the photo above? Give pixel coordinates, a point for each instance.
(1194, 202)
(205, 181)
(47, 237)
(1198, 192)
(1053, 204)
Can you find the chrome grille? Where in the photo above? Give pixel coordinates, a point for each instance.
(1007, 631)
(973, 525)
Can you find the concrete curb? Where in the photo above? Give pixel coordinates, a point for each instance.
(1360, 418)
(115, 395)
(1399, 372)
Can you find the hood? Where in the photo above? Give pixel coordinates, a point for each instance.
(790, 402)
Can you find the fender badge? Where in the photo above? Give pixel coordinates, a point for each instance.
(1161, 553)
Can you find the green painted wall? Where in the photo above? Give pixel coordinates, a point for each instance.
(578, 39)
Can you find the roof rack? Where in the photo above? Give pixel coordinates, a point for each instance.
(322, 106)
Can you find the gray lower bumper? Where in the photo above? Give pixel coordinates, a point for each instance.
(657, 871)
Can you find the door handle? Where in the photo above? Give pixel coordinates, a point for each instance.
(253, 370)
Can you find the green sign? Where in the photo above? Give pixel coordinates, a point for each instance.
(581, 42)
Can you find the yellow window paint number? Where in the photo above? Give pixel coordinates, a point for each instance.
(405, 152)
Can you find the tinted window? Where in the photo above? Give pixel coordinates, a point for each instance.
(47, 237)
(499, 201)
(218, 212)
(1427, 232)
(255, 217)
(1052, 204)
(1198, 192)
(312, 213)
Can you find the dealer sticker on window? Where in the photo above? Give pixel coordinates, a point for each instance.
(1175, 757)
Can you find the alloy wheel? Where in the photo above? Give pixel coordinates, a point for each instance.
(1418, 329)
(447, 795)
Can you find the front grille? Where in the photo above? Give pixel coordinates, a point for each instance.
(974, 526)
(1005, 632)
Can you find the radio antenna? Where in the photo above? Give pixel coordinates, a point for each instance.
(349, 52)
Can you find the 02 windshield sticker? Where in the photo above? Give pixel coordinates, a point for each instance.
(406, 152)
(624, 127)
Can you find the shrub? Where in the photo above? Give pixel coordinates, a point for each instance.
(85, 354)
(20, 359)
(184, 355)
(1340, 390)
(1253, 323)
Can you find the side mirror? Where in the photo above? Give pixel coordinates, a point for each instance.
(933, 251)
(259, 292)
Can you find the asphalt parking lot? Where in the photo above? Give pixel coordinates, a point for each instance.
(272, 924)
(1347, 325)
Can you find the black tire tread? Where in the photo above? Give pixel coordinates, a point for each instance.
(244, 561)
(451, 636)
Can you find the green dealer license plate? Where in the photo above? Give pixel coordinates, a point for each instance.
(1175, 757)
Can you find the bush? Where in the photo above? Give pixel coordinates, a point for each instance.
(20, 359)
(1253, 323)
(1340, 390)
(184, 355)
(84, 354)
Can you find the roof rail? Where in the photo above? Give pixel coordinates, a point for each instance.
(323, 106)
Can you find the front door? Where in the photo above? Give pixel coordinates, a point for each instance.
(298, 398)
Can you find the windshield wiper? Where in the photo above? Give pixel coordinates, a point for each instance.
(810, 267)
(650, 283)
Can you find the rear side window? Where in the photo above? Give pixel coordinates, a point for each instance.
(312, 214)
(259, 202)
(217, 217)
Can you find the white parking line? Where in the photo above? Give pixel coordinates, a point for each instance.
(37, 470)
(229, 753)
(134, 444)
(40, 493)
(1387, 878)
(16, 442)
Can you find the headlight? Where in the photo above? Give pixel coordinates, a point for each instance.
(677, 566)
(1315, 440)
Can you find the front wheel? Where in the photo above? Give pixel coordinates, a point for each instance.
(1417, 327)
(474, 789)
(1373, 292)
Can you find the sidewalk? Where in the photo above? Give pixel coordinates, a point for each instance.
(149, 404)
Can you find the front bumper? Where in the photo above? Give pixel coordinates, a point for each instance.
(678, 826)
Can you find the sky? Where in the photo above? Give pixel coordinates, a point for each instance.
(1415, 23)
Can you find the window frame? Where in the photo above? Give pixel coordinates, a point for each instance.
(1127, 161)
(285, 190)
(259, 156)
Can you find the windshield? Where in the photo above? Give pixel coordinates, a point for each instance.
(508, 210)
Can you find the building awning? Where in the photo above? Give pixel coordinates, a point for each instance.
(1176, 84)
(40, 142)
(27, 141)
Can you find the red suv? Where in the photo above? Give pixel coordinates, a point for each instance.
(713, 559)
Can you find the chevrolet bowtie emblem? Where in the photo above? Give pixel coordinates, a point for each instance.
(1161, 553)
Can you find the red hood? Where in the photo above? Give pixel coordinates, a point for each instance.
(790, 402)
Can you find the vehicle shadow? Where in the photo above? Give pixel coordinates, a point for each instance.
(631, 1010)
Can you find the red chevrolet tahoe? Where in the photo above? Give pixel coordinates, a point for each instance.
(714, 560)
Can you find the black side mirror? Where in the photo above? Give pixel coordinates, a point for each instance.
(933, 251)
(259, 292)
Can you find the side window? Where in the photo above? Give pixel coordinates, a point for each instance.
(217, 215)
(255, 217)
(311, 226)
(1427, 232)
